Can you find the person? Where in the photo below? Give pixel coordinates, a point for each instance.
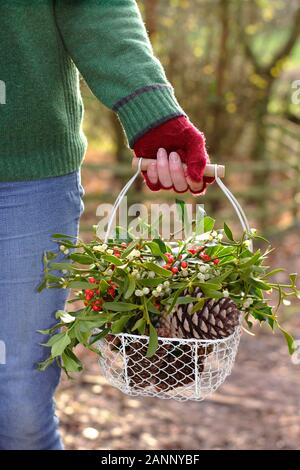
(43, 47)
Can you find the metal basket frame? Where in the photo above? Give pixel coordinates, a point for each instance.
(181, 369)
(120, 365)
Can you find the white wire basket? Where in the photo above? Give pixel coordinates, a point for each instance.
(181, 369)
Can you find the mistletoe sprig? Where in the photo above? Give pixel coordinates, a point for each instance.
(125, 286)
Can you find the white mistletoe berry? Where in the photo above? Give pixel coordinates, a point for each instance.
(146, 290)
(138, 293)
(203, 268)
(151, 274)
(225, 293)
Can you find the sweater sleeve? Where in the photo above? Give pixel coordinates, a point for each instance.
(108, 43)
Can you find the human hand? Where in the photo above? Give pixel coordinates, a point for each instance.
(179, 136)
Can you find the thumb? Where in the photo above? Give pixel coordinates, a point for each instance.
(197, 156)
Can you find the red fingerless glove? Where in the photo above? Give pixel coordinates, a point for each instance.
(181, 136)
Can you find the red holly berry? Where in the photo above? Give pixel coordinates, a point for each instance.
(111, 291)
(96, 308)
(97, 291)
(192, 251)
(179, 256)
(174, 270)
(166, 266)
(216, 261)
(184, 264)
(170, 258)
(97, 305)
(205, 257)
(88, 293)
(91, 280)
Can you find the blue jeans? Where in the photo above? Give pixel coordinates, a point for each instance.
(30, 212)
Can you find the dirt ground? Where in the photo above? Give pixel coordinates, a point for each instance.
(256, 408)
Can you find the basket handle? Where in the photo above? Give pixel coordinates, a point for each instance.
(216, 171)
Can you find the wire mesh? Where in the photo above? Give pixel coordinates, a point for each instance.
(181, 369)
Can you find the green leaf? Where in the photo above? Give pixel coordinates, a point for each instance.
(61, 235)
(139, 325)
(208, 223)
(54, 339)
(289, 339)
(61, 266)
(155, 249)
(252, 260)
(153, 341)
(59, 346)
(119, 325)
(211, 293)
(161, 244)
(80, 285)
(181, 209)
(187, 299)
(228, 232)
(258, 283)
(71, 362)
(103, 286)
(273, 272)
(151, 282)
(81, 258)
(293, 279)
(42, 286)
(120, 306)
(199, 305)
(130, 287)
(157, 269)
(113, 259)
(129, 248)
(99, 336)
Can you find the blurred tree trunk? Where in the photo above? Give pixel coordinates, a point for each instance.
(218, 120)
(264, 72)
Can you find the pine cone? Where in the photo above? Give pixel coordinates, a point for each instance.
(217, 319)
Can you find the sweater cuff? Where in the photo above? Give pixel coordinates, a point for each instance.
(146, 108)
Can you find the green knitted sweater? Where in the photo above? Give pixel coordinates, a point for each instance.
(43, 44)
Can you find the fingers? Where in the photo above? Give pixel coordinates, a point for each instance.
(177, 173)
(170, 172)
(163, 169)
(152, 173)
(195, 186)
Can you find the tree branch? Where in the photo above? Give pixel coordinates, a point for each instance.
(283, 51)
